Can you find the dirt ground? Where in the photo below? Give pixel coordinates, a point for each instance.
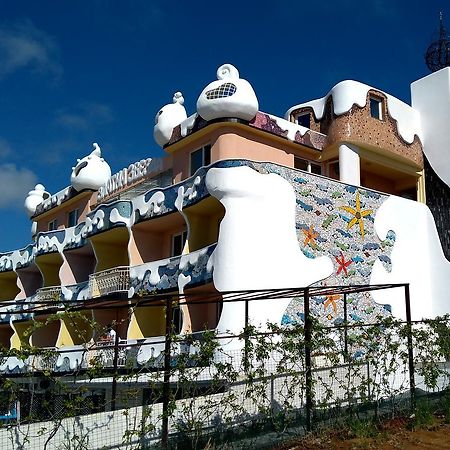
(393, 435)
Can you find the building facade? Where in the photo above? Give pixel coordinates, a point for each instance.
(333, 194)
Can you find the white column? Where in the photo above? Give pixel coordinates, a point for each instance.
(349, 164)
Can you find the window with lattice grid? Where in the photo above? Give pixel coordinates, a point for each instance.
(223, 91)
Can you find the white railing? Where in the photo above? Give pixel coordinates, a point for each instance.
(107, 281)
(48, 293)
(45, 361)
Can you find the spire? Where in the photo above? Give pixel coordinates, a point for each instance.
(438, 53)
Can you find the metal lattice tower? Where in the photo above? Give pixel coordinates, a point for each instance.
(438, 53)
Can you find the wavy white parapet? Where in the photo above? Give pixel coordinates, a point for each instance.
(11, 363)
(153, 204)
(188, 124)
(257, 246)
(138, 273)
(348, 93)
(73, 354)
(417, 258)
(292, 128)
(151, 348)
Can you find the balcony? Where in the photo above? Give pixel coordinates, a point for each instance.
(45, 361)
(108, 281)
(49, 293)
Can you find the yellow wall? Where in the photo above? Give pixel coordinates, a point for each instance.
(8, 286)
(146, 322)
(18, 338)
(111, 249)
(75, 330)
(49, 266)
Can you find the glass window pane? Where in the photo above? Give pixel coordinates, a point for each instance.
(207, 155)
(73, 218)
(196, 160)
(316, 168)
(304, 120)
(301, 164)
(375, 108)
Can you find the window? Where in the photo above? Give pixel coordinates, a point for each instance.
(200, 158)
(178, 241)
(304, 120)
(73, 217)
(307, 166)
(333, 170)
(53, 225)
(376, 105)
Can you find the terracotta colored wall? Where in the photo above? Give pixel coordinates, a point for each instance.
(61, 213)
(232, 142)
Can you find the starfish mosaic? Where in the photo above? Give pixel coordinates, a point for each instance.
(343, 264)
(310, 237)
(358, 215)
(331, 300)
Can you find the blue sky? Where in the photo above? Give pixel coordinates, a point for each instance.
(73, 73)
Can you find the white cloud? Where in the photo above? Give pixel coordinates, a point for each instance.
(23, 46)
(85, 115)
(15, 184)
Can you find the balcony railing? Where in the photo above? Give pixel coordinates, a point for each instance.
(108, 281)
(45, 361)
(48, 293)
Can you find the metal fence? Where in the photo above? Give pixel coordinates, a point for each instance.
(250, 389)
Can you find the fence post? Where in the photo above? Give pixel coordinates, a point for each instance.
(166, 382)
(345, 329)
(246, 343)
(308, 373)
(412, 383)
(116, 356)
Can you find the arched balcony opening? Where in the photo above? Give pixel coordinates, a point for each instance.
(112, 271)
(155, 239)
(204, 222)
(21, 334)
(81, 262)
(111, 248)
(45, 333)
(30, 279)
(110, 318)
(49, 266)
(147, 321)
(8, 286)
(76, 329)
(202, 308)
(6, 333)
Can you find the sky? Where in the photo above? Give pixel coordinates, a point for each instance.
(77, 72)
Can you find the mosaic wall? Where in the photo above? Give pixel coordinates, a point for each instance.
(337, 220)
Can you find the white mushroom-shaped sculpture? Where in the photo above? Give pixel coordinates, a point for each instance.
(230, 96)
(167, 118)
(91, 172)
(34, 198)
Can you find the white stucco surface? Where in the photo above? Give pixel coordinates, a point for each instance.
(431, 98)
(213, 104)
(167, 118)
(257, 246)
(91, 172)
(417, 258)
(349, 164)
